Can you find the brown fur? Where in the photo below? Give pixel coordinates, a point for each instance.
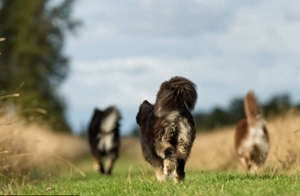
(253, 111)
(167, 128)
(251, 136)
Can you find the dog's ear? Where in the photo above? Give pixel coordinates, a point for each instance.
(145, 109)
(96, 118)
(97, 115)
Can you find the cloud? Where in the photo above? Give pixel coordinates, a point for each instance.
(126, 49)
(151, 18)
(262, 28)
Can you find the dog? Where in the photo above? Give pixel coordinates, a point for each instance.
(104, 138)
(251, 136)
(167, 128)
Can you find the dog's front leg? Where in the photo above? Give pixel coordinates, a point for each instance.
(160, 175)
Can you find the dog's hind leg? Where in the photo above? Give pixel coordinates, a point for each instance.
(167, 148)
(245, 161)
(179, 173)
(98, 165)
(169, 161)
(157, 164)
(110, 164)
(160, 175)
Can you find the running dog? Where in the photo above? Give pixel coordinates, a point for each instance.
(167, 129)
(251, 136)
(104, 139)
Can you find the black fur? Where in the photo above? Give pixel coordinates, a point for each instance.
(97, 135)
(167, 129)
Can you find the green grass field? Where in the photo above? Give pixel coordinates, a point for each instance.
(137, 178)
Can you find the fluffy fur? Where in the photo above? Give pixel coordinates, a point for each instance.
(167, 129)
(251, 136)
(104, 139)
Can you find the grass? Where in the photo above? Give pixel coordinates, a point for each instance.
(137, 178)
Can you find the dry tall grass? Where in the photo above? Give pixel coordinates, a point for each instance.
(215, 150)
(24, 147)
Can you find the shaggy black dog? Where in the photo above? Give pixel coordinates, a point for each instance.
(167, 129)
(104, 138)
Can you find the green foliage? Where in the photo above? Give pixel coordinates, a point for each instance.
(32, 61)
(277, 105)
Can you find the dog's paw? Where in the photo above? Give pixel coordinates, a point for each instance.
(160, 176)
(169, 167)
(96, 167)
(178, 180)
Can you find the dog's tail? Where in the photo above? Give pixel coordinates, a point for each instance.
(253, 111)
(178, 93)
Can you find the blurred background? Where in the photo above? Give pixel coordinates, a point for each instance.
(64, 58)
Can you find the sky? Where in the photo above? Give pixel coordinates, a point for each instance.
(125, 49)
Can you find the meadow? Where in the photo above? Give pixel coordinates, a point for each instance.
(33, 160)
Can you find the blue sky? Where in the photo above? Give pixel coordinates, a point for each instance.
(126, 49)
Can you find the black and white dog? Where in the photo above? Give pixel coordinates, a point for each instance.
(104, 138)
(167, 129)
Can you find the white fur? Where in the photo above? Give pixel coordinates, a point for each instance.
(106, 141)
(184, 131)
(183, 138)
(109, 123)
(173, 115)
(256, 137)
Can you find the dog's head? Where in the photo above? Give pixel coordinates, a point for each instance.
(95, 122)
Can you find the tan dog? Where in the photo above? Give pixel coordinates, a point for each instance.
(167, 129)
(251, 136)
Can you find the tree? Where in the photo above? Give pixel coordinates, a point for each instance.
(216, 118)
(32, 62)
(236, 110)
(277, 105)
